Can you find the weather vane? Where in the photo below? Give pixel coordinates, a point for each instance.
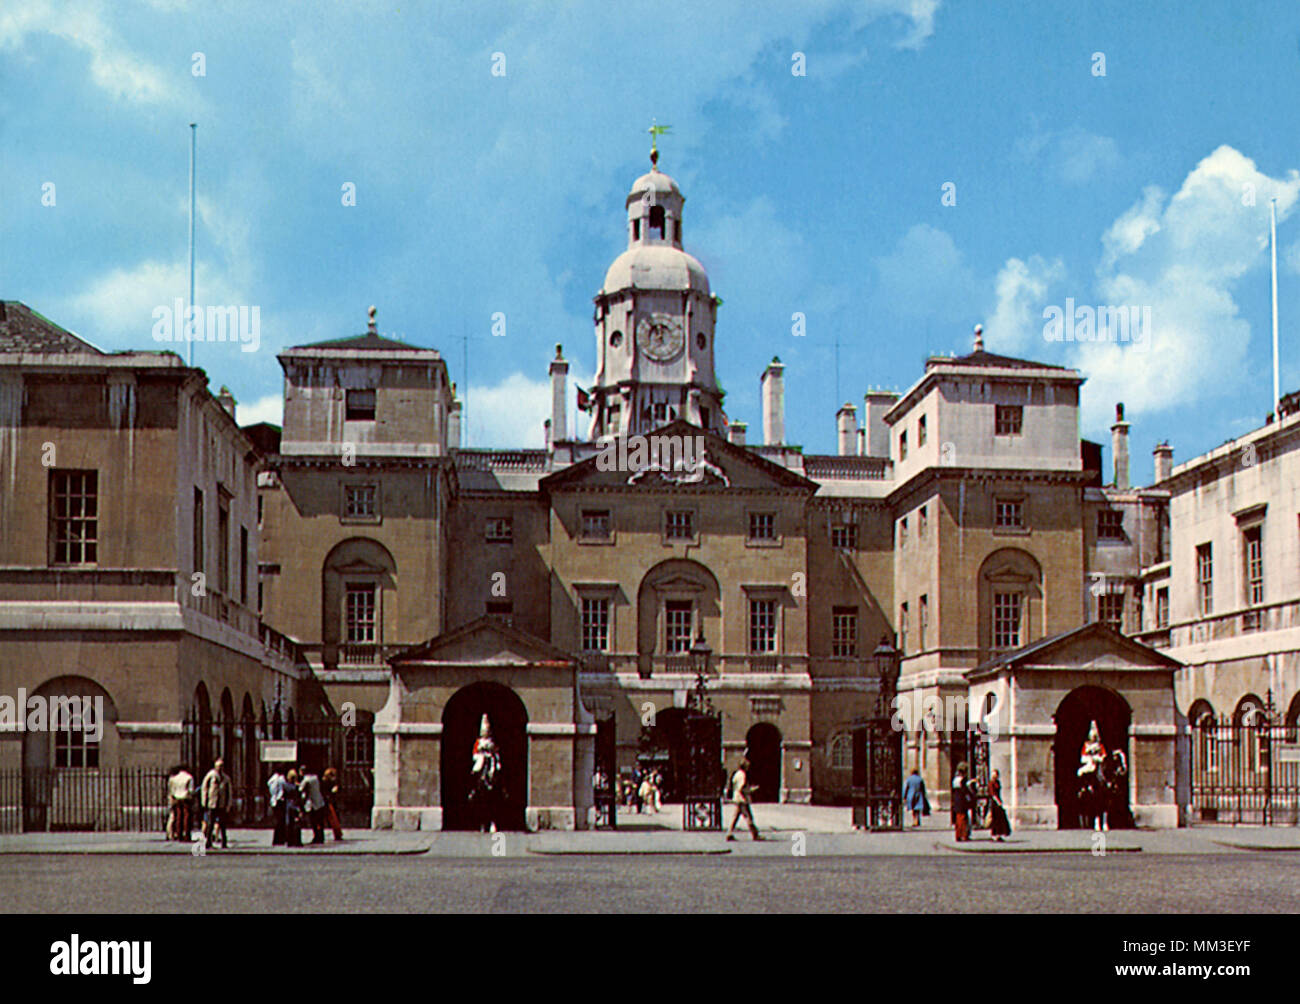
(656, 130)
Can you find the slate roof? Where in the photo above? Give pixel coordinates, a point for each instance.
(369, 340)
(22, 330)
(993, 360)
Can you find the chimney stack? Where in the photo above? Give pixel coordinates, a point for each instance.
(559, 392)
(227, 401)
(1163, 456)
(862, 442)
(453, 422)
(773, 394)
(875, 404)
(736, 435)
(1119, 447)
(846, 427)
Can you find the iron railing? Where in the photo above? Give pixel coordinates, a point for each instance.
(41, 800)
(1245, 772)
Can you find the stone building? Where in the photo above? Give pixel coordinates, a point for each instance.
(128, 556)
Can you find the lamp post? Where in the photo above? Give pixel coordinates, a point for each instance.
(701, 653)
(887, 659)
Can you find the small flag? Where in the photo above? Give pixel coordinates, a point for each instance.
(584, 400)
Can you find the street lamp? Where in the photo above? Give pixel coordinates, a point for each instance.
(701, 653)
(887, 659)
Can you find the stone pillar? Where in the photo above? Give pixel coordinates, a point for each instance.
(773, 395)
(1119, 447)
(559, 389)
(846, 427)
(874, 406)
(1163, 461)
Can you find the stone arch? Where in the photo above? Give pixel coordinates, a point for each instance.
(1077, 710)
(1015, 573)
(1292, 718)
(1199, 711)
(72, 747)
(677, 581)
(1247, 716)
(508, 718)
(197, 743)
(361, 562)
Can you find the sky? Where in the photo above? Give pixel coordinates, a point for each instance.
(894, 171)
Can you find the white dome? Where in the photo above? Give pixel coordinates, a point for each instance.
(657, 181)
(655, 266)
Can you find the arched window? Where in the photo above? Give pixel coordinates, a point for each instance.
(1201, 718)
(359, 580)
(1293, 719)
(1248, 719)
(1010, 591)
(842, 751)
(359, 742)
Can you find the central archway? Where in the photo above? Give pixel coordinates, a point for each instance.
(1076, 712)
(460, 726)
(763, 749)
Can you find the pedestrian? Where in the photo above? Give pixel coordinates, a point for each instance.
(999, 824)
(657, 790)
(646, 793)
(740, 793)
(180, 793)
(914, 796)
(637, 778)
(313, 800)
(276, 788)
(291, 809)
(215, 795)
(961, 804)
(330, 783)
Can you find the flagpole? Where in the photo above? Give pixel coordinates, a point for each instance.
(189, 341)
(1277, 388)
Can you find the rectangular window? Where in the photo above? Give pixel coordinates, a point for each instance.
(762, 526)
(902, 446)
(920, 431)
(615, 414)
(925, 619)
(678, 622)
(499, 530)
(1110, 524)
(500, 608)
(1254, 553)
(359, 405)
(679, 524)
(200, 563)
(74, 517)
(844, 536)
(74, 747)
(595, 624)
(1205, 577)
(1006, 620)
(595, 524)
(360, 501)
(902, 628)
(922, 522)
(902, 530)
(243, 565)
(1110, 610)
(360, 613)
(1009, 514)
(1162, 607)
(844, 631)
(762, 625)
(223, 545)
(1008, 419)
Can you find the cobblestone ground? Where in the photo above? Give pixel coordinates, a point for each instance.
(1186, 883)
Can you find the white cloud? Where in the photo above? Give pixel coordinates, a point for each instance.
(113, 67)
(1074, 155)
(510, 414)
(1182, 258)
(1024, 288)
(926, 275)
(264, 409)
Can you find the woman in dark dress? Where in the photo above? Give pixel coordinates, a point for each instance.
(1000, 827)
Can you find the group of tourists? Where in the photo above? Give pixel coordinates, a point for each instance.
(642, 790)
(215, 796)
(298, 798)
(965, 803)
(301, 798)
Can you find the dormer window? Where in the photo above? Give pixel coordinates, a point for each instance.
(360, 406)
(657, 220)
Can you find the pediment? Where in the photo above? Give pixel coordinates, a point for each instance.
(488, 641)
(677, 456)
(1092, 647)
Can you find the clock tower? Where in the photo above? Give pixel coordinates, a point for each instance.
(654, 323)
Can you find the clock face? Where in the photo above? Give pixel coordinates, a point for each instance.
(660, 337)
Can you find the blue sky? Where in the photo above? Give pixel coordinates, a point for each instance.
(818, 194)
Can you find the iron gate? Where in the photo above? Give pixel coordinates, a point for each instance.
(1245, 773)
(877, 775)
(703, 775)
